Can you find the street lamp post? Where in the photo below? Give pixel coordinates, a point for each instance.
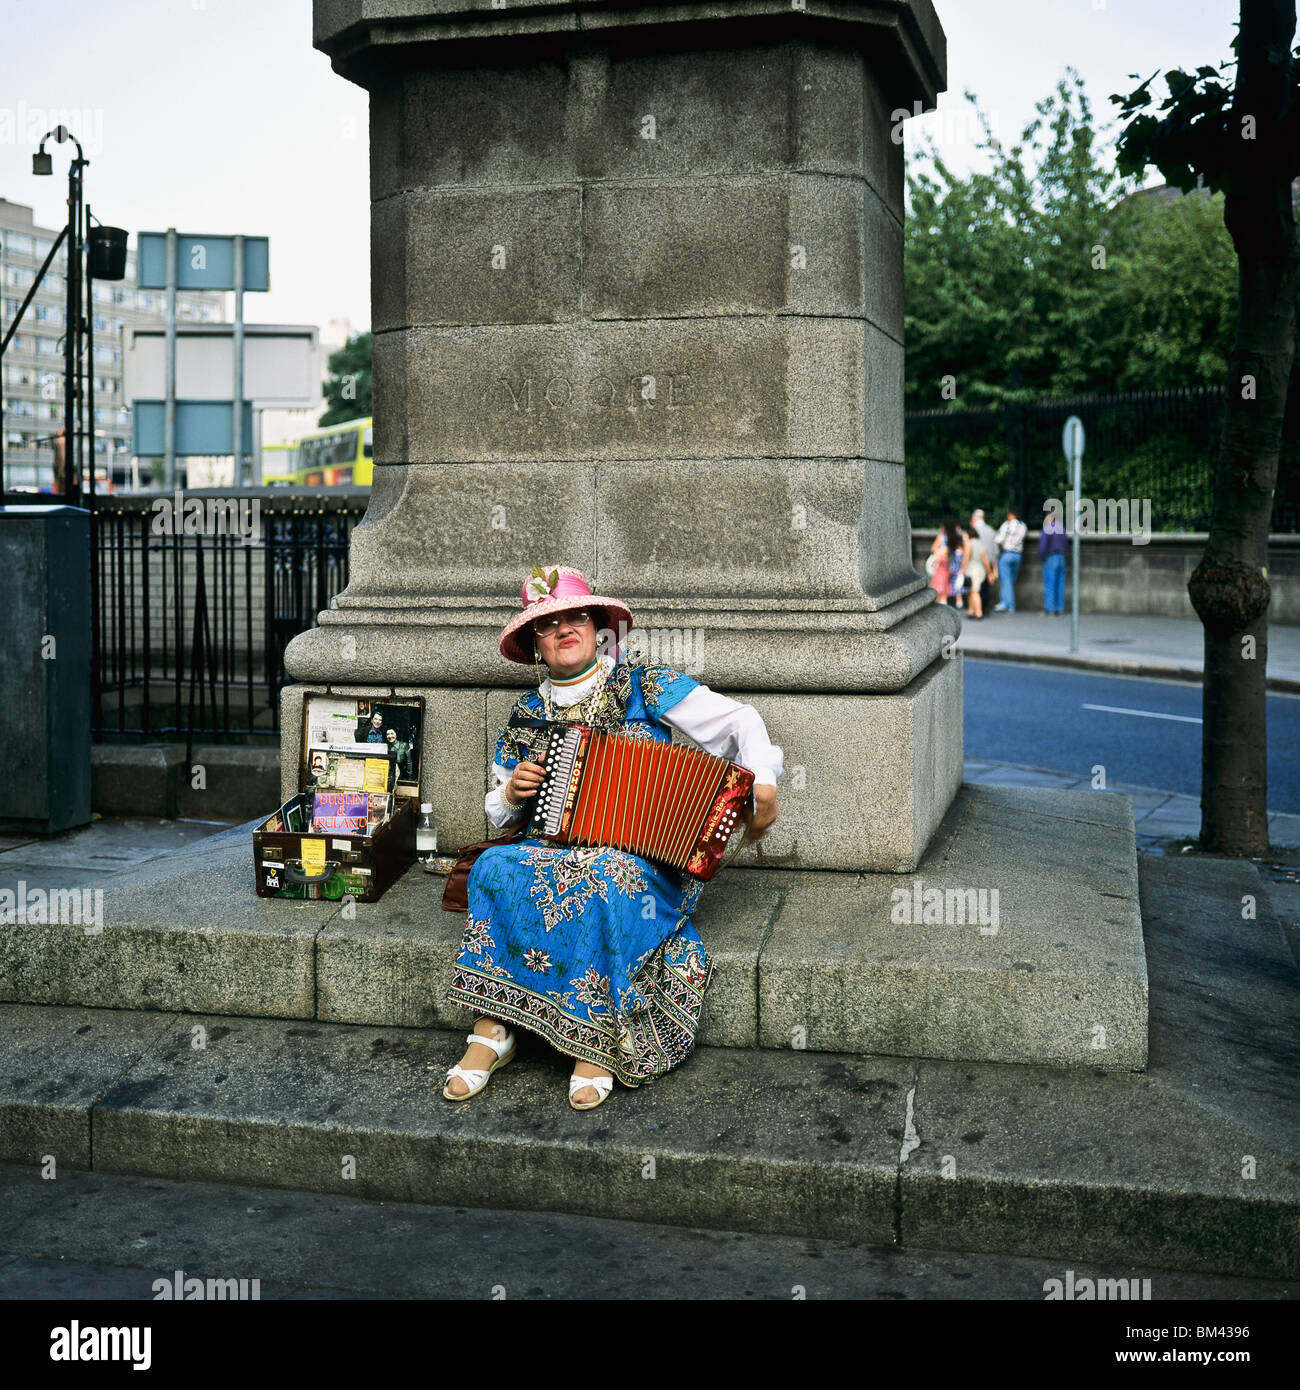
(42, 163)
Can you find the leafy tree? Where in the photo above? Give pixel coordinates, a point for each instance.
(348, 387)
(1169, 293)
(1003, 266)
(1242, 140)
(1050, 275)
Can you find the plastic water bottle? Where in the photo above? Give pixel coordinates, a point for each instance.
(426, 835)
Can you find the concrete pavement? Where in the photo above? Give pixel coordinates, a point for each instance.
(99, 1235)
(89, 855)
(1115, 1168)
(1157, 815)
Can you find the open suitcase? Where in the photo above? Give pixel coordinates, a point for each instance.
(359, 774)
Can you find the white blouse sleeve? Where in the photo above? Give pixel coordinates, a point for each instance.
(497, 811)
(728, 729)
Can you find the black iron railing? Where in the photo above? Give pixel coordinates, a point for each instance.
(192, 625)
(1156, 445)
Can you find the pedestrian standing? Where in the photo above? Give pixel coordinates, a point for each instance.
(979, 527)
(956, 554)
(976, 569)
(1051, 550)
(939, 566)
(1011, 542)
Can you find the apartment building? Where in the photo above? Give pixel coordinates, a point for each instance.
(32, 366)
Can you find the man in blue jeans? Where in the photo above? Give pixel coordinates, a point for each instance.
(1051, 550)
(1011, 538)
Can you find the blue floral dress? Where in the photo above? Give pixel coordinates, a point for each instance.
(593, 949)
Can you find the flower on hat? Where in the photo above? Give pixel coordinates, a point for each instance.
(541, 585)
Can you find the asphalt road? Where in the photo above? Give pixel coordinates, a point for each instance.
(1144, 732)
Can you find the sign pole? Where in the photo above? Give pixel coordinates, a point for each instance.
(169, 390)
(1072, 442)
(71, 455)
(238, 479)
(90, 394)
(1074, 555)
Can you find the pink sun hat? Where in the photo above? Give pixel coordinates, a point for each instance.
(556, 589)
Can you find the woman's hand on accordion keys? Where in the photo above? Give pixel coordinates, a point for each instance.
(523, 783)
(764, 811)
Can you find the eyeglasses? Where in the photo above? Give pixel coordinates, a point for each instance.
(579, 617)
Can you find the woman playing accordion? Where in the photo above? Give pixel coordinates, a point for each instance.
(592, 948)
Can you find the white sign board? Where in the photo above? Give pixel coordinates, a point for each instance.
(282, 363)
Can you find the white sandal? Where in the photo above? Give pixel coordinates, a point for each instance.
(602, 1085)
(476, 1079)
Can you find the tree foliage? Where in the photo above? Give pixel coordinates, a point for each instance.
(1203, 133)
(347, 390)
(1170, 294)
(1048, 273)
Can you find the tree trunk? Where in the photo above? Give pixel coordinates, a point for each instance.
(1229, 588)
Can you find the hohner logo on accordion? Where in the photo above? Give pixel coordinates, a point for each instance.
(675, 805)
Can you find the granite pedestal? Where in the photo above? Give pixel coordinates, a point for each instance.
(637, 281)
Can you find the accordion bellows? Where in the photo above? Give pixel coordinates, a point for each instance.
(675, 805)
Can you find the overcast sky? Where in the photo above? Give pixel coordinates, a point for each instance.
(218, 116)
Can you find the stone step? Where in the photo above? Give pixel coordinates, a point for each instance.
(1065, 1164)
(1188, 1166)
(1055, 973)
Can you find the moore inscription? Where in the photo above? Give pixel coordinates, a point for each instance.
(525, 395)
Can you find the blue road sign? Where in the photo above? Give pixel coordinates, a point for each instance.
(202, 427)
(202, 262)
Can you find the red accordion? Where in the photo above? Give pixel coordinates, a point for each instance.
(675, 805)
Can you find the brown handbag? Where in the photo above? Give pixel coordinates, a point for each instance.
(455, 896)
